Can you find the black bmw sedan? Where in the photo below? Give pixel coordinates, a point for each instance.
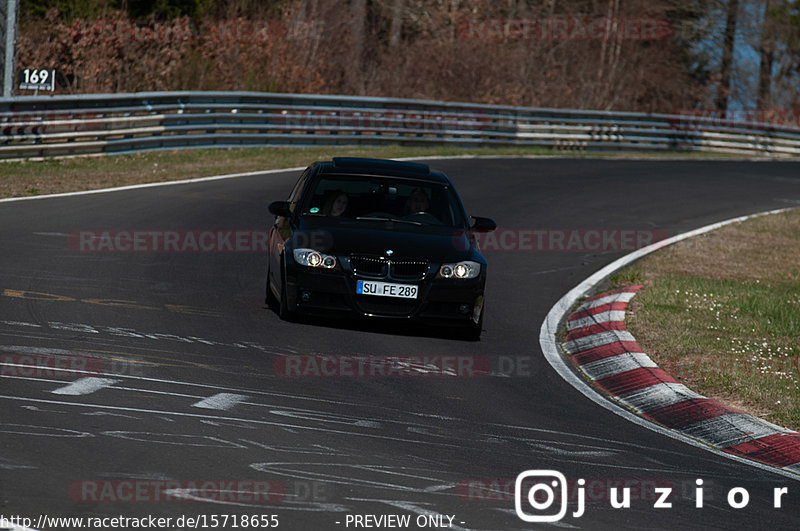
(377, 238)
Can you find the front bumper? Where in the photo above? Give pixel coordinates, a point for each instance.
(445, 301)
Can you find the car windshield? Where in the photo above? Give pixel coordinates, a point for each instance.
(369, 198)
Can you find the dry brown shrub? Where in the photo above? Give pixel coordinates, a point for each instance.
(391, 48)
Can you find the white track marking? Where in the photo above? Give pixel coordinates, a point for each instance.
(252, 174)
(175, 382)
(85, 386)
(153, 185)
(168, 414)
(552, 352)
(31, 430)
(220, 401)
(283, 170)
(247, 393)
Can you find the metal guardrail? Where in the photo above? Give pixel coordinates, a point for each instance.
(42, 126)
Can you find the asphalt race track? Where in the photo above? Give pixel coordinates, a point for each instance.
(187, 393)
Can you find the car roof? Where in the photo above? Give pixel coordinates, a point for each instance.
(382, 167)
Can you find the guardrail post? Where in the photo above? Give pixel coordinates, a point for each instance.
(9, 40)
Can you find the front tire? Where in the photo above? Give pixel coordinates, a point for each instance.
(474, 331)
(269, 298)
(284, 312)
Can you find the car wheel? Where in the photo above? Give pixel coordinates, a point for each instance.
(474, 330)
(269, 297)
(284, 312)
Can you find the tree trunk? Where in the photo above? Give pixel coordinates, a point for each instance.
(727, 56)
(358, 10)
(766, 52)
(397, 23)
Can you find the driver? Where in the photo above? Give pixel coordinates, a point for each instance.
(417, 201)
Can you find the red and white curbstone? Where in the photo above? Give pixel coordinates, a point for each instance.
(601, 347)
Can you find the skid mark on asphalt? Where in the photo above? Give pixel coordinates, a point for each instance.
(524, 439)
(175, 439)
(383, 477)
(6, 464)
(31, 430)
(43, 296)
(571, 451)
(292, 505)
(130, 333)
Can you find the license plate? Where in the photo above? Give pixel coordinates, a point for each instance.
(386, 289)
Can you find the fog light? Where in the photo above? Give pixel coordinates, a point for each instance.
(305, 296)
(464, 308)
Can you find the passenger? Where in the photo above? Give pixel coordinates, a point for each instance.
(336, 205)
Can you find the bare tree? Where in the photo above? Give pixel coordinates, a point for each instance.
(766, 53)
(729, 38)
(397, 23)
(358, 10)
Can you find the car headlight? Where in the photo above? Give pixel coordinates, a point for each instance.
(312, 258)
(465, 269)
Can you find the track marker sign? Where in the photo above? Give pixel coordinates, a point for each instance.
(37, 79)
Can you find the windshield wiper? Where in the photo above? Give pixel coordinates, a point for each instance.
(396, 220)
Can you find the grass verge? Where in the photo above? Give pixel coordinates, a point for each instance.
(721, 313)
(50, 176)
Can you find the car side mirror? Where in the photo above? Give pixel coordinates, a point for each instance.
(280, 208)
(483, 224)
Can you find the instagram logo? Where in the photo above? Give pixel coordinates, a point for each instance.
(547, 494)
(544, 488)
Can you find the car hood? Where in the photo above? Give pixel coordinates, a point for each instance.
(434, 244)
